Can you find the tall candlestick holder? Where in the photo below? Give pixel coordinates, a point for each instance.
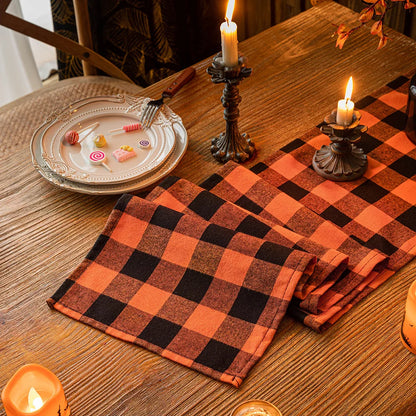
(341, 160)
(230, 145)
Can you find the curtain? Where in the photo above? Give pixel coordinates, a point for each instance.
(18, 72)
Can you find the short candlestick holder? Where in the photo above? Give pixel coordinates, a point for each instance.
(230, 145)
(341, 160)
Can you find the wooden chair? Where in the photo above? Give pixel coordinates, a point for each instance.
(83, 50)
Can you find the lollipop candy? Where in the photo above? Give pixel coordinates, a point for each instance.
(144, 143)
(126, 129)
(72, 136)
(97, 157)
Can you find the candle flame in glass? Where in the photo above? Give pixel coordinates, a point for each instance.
(348, 91)
(229, 12)
(34, 400)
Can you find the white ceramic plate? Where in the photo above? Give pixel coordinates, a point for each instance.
(104, 114)
(139, 183)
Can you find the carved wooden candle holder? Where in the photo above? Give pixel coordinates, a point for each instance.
(230, 145)
(341, 160)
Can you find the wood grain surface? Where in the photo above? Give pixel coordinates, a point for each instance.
(358, 367)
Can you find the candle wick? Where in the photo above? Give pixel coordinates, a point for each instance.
(228, 21)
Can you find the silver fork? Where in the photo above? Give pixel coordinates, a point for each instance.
(152, 107)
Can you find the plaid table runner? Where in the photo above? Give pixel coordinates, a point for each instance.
(185, 196)
(373, 213)
(203, 275)
(192, 291)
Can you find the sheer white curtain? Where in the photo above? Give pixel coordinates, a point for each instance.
(18, 72)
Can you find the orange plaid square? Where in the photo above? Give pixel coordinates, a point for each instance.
(97, 277)
(373, 218)
(149, 299)
(129, 231)
(205, 321)
(233, 267)
(180, 249)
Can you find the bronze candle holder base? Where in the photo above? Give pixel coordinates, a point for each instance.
(341, 160)
(230, 145)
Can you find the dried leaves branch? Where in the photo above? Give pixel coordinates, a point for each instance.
(375, 8)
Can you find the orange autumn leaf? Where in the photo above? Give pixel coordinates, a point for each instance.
(380, 8)
(342, 37)
(377, 28)
(366, 15)
(341, 29)
(382, 42)
(373, 7)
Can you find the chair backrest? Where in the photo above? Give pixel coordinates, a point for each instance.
(82, 50)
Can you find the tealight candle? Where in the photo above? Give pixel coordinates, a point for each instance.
(408, 333)
(345, 108)
(34, 390)
(229, 42)
(256, 408)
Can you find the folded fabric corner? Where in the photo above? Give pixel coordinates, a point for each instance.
(202, 295)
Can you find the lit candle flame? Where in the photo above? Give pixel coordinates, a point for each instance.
(230, 10)
(34, 400)
(348, 91)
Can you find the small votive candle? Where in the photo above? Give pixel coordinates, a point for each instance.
(408, 332)
(35, 391)
(256, 408)
(345, 110)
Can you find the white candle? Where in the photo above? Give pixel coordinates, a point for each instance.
(229, 42)
(345, 108)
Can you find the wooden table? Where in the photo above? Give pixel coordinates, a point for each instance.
(358, 367)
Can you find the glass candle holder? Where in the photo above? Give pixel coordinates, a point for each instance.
(256, 408)
(408, 331)
(34, 391)
(410, 128)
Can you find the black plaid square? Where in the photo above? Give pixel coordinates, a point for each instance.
(406, 166)
(396, 120)
(105, 309)
(217, 355)
(217, 235)
(368, 143)
(140, 265)
(165, 218)
(98, 247)
(370, 191)
(258, 168)
(293, 190)
(211, 182)
(408, 218)
(249, 205)
(380, 243)
(206, 205)
(193, 285)
(295, 144)
(398, 82)
(365, 102)
(336, 216)
(253, 226)
(272, 253)
(160, 332)
(249, 305)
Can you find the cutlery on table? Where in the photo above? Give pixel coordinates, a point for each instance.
(152, 107)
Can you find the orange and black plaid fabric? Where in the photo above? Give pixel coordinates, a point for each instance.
(199, 294)
(184, 196)
(373, 216)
